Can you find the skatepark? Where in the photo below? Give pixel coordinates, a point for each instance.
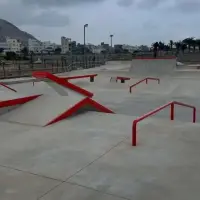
(125, 130)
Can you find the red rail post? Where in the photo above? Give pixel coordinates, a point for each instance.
(146, 80)
(134, 130)
(172, 111)
(194, 114)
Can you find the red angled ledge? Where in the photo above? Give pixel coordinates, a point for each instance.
(4, 85)
(79, 77)
(18, 101)
(62, 82)
(82, 104)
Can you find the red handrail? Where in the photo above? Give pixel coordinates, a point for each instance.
(145, 79)
(171, 104)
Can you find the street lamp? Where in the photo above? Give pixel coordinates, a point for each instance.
(111, 36)
(85, 26)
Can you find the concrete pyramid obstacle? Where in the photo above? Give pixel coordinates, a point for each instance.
(49, 109)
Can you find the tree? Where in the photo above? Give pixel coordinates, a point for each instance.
(171, 43)
(198, 43)
(58, 50)
(189, 42)
(10, 55)
(25, 51)
(183, 47)
(155, 48)
(161, 45)
(178, 46)
(1, 50)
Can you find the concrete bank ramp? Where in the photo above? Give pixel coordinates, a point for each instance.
(47, 110)
(153, 67)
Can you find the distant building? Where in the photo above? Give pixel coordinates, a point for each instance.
(105, 46)
(14, 45)
(66, 45)
(129, 48)
(34, 46)
(95, 49)
(48, 45)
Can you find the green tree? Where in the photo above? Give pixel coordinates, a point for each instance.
(155, 46)
(10, 55)
(171, 43)
(58, 50)
(183, 47)
(24, 51)
(198, 43)
(189, 42)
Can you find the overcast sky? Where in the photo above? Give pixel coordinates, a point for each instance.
(131, 21)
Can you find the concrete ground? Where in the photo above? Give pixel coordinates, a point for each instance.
(90, 156)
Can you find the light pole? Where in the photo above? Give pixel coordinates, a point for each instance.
(111, 36)
(85, 26)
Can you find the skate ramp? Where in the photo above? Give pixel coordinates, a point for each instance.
(46, 110)
(153, 67)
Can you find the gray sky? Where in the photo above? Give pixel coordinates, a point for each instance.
(131, 21)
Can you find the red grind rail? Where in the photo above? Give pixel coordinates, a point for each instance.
(145, 79)
(2, 84)
(79, 77)
(171, 104)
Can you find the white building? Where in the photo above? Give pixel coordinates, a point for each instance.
(34, 46)
(14, 45)
(49, 45)
(65, 44)
(95, 49)
(129, 48)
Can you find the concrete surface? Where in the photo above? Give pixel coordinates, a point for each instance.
(90, 156)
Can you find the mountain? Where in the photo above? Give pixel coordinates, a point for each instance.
(10, 30)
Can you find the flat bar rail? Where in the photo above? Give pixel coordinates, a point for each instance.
(146, 80)
(172, 105)
(9, 88)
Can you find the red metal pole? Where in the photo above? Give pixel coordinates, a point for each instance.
(134, 129)
(194, 115)
(130, 89)
(172, 111)
(146, 80)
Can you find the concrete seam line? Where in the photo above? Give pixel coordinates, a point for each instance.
(31, 173)
(95, 160)
(99, 191)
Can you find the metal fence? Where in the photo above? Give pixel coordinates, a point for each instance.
(17, 69)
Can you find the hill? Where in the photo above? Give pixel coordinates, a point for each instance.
(10, 30)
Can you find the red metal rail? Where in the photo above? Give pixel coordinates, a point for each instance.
(79, 77)
(4, 85)
(145, 79)
(171, 104)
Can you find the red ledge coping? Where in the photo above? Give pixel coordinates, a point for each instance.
(77, 77)
(14, 102)
(123, 78)
(62, 82)
(150, 58)
(76, 107)
(4, 85)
